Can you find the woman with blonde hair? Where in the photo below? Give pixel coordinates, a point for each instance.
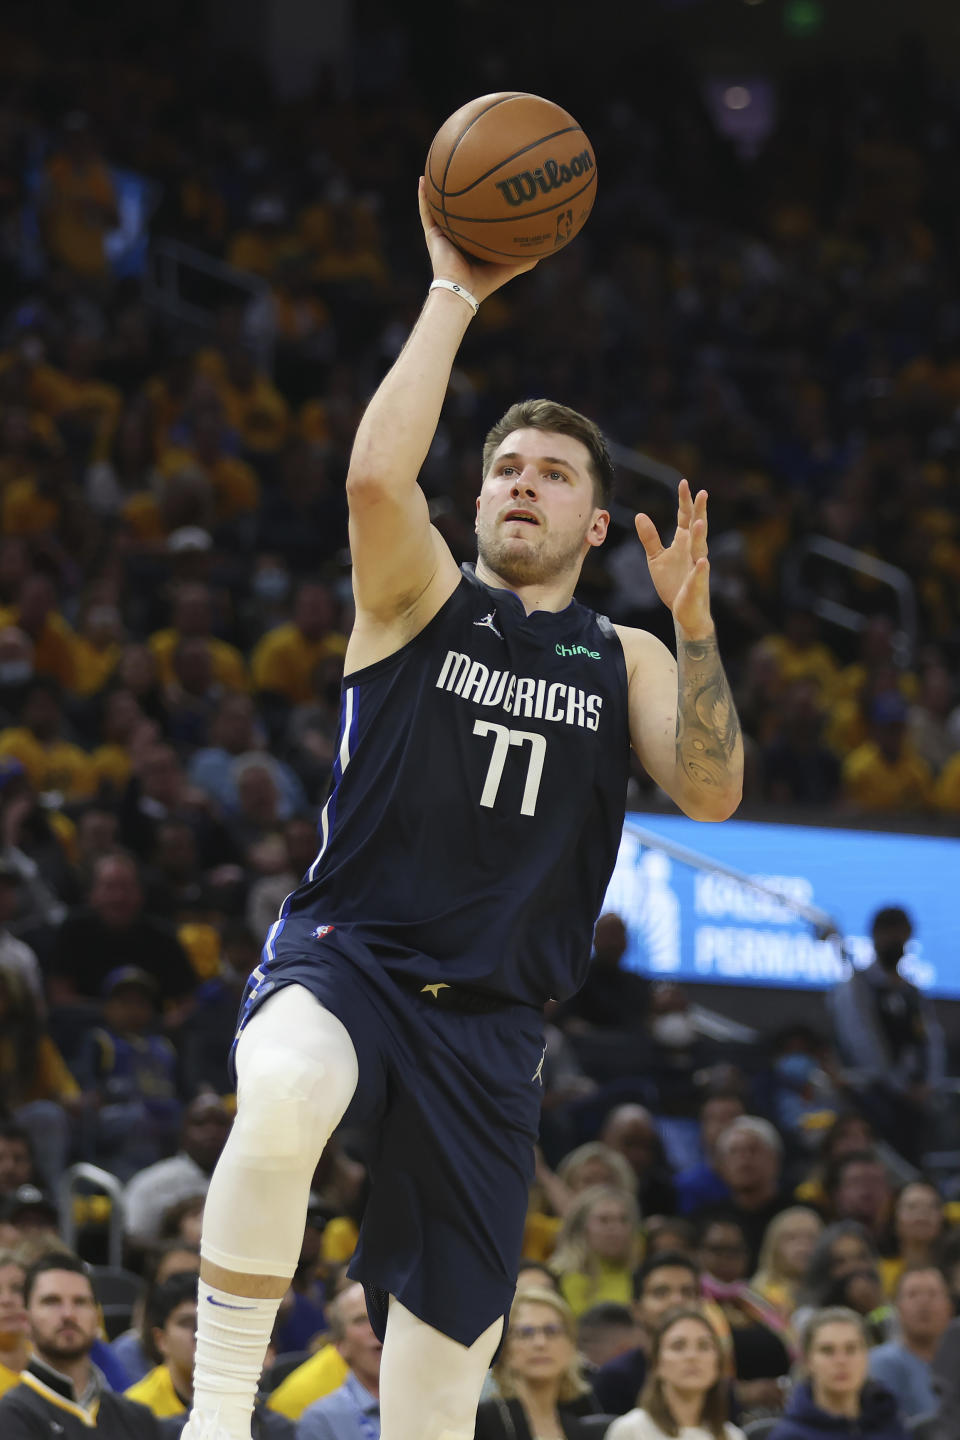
(554, 1191)
(598, 1248)
(539, 1376)
(788, 1244)
(686, 1389)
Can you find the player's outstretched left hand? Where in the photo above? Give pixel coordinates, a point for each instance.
(681, 571)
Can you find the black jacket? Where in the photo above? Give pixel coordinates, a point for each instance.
(43, 1407)
(505, 1420)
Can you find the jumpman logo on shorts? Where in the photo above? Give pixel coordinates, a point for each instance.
(487, 622)
(538, 1073)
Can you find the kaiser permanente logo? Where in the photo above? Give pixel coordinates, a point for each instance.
(577, 650)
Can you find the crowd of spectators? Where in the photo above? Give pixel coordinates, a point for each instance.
(783, 328)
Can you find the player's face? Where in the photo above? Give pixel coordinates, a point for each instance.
(536, 512)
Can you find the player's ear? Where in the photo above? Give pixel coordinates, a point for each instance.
(599, 526)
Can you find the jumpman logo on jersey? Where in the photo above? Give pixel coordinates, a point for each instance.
(538, 1073)
(487, 622)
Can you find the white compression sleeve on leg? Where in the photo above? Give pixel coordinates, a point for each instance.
(296, 1075)
(429, 1384)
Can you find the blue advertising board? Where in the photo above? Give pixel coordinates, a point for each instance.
(690, 924)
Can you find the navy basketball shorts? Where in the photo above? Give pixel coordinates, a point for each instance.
(450, 1103)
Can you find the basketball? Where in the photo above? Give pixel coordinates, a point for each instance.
(510, 177)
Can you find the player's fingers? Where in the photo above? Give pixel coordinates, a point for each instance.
(684, 505)
(698, 539)
(700, 509)
(648, 536)
(426, 218)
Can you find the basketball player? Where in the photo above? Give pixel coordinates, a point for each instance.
(465, 847)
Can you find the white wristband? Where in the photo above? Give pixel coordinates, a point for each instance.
(457, 290)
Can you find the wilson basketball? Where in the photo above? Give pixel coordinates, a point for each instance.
(510, 177)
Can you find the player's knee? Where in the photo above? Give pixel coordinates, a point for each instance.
(283, 1105)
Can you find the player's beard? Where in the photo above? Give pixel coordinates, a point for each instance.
(526, 564)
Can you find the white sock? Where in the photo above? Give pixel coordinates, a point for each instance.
(233, 1332)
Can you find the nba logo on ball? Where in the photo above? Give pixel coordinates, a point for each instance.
(510, 176)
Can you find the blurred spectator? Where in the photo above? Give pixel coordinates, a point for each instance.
(17, 1166)
(14, 1344)
(171, 1313)
(605, 1332)
(785, 1255)
(539, 1375)
(192, 619)
(630, 1129)
(919, 1224)
(59, 1379)
(151, 1192)
(904, 1365)
(663, 1283)
(945, 1376)
(52, 761)
(887, 1030)
(762, 1348)
(78, 202)
(285, 660)
(16, 958)
(798, 767)
(351, 1412)
(36, 1088)
(113, 932)
(749, 1161)
(837, 1398)
(36, 615)
(597, 1248)
(885, 773)
(235, 736)
(611, 998)
(849, 1132)
(135, 1350)
(859, 1189)
(843, 1248)
(701, 1185)
(686, 1390)
(132, 1075)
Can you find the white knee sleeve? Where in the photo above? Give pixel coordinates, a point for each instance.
(296, 1075)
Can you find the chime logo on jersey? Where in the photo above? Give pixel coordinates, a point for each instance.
(518, 695)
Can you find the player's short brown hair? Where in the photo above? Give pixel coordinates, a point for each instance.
(549, 415)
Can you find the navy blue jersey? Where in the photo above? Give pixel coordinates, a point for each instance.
(477, 798)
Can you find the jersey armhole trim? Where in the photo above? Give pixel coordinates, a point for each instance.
(368, 672)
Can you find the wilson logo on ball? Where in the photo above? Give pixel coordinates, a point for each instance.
(551, 175)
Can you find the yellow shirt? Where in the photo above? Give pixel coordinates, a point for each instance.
(808, 662)
(157, 1393)
(284, 661)
(57, 766)
(946, 792)
(540, 1235)
(26, 512)
(872, 783)
(54, 649)
(236, 489)
(94, 667)
(113, 766)
(51, 1078)
(8, 1378)
(227, 662)
(612, 1282)
(76, 220)
(320, 1375)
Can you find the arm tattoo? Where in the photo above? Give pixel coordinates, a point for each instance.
(707, 725)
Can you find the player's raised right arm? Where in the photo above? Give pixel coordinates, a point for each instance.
(397, 555)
